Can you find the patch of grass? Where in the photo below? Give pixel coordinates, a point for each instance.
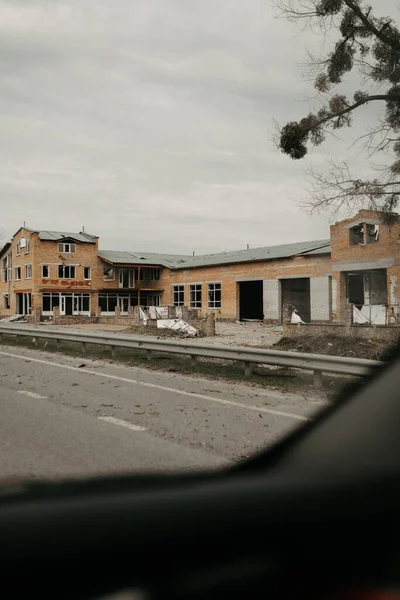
(283, 379)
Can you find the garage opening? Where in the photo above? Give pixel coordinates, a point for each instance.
(251, 301)
(295, 294)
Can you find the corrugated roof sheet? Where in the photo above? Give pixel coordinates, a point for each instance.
(137, 258)
(177, 261)
(257, 254)
(54, 236)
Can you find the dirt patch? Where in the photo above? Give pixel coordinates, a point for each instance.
(258, 335)
(335, 346)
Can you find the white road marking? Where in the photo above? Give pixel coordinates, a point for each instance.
(32, 394)
(122, 423)
(259, 409)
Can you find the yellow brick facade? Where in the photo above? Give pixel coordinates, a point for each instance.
(325, 277)
(231, 275)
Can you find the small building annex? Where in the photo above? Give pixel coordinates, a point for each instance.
(358, 266)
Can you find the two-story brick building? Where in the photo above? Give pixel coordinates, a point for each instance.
(359, 265)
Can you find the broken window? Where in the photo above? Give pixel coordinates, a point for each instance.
(214, 295)
(195, 295)
(7, 270)
(179, 295)
(45, 271)
(66, 271)
(357, 235)
(372, 233)
(126, 278)
(153, 274)
(142, 274)
(46, 303)
(17, 273)
(28, 271)
(67, 248)
(86, 273)
(108, 273)
(367, 288)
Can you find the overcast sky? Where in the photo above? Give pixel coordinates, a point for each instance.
(149, 122)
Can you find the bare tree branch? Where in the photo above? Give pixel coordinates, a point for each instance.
(371, 46)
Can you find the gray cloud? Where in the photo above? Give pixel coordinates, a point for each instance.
(149, 122)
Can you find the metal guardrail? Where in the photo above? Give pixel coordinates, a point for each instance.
(318, 363)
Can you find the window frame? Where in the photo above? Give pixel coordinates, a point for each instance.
(48, 271)
(26, 271)
(179, 301)
(27, 246)
(195, 303)
(62, 267)
(90, 273)
(62, 245)
(111, 268)
(15, 273)
(213, 289)
(6, 301)
(18, 249)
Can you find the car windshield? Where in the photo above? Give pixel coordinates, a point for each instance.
(199, 235)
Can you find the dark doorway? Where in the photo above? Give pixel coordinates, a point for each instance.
(356, 289)
(251, 300)
(20, 304)
(296, 295)
(68, 305)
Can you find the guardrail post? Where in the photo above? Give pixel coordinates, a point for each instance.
(1, 338)
(84, 347)
(317, 376)
(35, 342)
(113, 351)
(17, 339)
(149, 354)
(248, 369)
(193, 358)
(58, 344)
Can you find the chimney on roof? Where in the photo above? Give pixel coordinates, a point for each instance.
(193, 252)
(248, 247)
(83, 229)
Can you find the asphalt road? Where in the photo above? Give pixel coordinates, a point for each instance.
(62, 416)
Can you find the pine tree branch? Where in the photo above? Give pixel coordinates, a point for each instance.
(352, 107)
(369, 25)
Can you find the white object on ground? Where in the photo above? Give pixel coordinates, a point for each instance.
(374, 314)
(296, 318)
(158, 312)
(143, 316)
(177, 325)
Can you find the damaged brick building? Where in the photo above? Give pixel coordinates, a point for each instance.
(358, 267)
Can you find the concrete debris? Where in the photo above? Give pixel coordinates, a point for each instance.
(13, 318)
(158, 312)
(178, 325)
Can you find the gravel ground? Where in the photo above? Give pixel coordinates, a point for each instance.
(230, 334)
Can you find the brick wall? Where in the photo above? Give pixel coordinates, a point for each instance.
(385, 253)
(230, 275)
